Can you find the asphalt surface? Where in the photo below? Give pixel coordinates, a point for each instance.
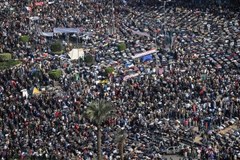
(173, 157)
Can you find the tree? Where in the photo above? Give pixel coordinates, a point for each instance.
(89, 59)
(109, 70)
(120, 139)
(55, 74)
(5, 57)
(122, 46)
(98, 112)
(24, 38)
(57, 48)
(9, 64)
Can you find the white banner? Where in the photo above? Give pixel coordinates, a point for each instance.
(47, 34)
(144, 53)
(35, 18)
(141, 33)
(66, 30)
(130, 76)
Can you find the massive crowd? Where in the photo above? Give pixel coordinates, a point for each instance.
(186, 95)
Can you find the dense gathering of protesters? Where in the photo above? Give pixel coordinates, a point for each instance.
(186, 90)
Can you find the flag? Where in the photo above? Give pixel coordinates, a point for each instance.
(51, 2)
(29, 9)
(157, 30)
(39, 3)
(160, 71)
(35, 91)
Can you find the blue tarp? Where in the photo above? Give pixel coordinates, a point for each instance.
(128, 64)
(146, 58)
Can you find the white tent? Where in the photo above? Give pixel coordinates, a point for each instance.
(76, 53)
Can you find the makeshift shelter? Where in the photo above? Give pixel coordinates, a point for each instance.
(147, 58)
(76, 53)
(129, 65)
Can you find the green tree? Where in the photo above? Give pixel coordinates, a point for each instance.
(57, 48)
(89, 59)
(122, 46)
(24, 38)
(5, 57)
(98, 112)
(9, 64)
(109, 70)
(55, 74)
(120, 139)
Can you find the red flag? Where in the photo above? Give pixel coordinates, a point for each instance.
(160, 71)
(39, 3)
(29, 9)
(194, 108)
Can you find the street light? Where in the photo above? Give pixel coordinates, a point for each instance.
(164, 18)
(113, 19)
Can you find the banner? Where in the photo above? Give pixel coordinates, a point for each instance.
(141, 33)
(47, 34)
(130, 76)
(35, 18)
(144, 53)
(66, 30)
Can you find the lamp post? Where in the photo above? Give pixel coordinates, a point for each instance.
(164, 19)
(113, 19)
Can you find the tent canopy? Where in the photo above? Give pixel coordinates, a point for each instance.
(76, 53)
(146, 58)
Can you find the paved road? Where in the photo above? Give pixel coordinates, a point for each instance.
(173, 157)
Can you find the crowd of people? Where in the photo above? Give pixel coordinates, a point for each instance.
(186, 94)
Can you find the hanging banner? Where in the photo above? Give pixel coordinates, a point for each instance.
(141, 33)
(66, 30)
(47, 34)
(144, 53)
(130, 76)
(35, 18)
